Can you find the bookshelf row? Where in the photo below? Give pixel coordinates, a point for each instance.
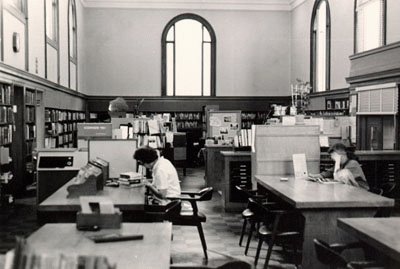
(55, 115)
(6, 114)
(61, 127)
(30, 97)
(6, 93)
(6, 134)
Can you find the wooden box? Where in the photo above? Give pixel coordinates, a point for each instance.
(104, 221)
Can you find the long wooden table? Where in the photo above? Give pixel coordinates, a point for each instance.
(153, 251)
(380, 233)
(59, 208)
(321, 205)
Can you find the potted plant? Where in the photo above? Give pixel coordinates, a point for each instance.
(118, 108)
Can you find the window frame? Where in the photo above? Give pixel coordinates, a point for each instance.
(164, 42)
(313, 47)
(384, 26)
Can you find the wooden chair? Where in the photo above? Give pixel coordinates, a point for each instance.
(279, 228)
(331, 255)
(248, 215)
(229, 265)
(193, 217)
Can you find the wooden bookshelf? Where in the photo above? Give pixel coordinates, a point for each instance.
(6, 135)
(61, 127)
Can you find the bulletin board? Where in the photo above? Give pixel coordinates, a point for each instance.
(224, 123)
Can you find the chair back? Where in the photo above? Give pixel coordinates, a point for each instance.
(328, 256)
(205, 194)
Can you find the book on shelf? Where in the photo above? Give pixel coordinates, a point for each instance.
(6, 94)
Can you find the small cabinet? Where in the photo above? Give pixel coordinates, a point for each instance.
(240, 175)
(237, 172)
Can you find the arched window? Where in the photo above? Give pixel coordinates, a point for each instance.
(72, 44)
(188, 57)
(320, 46)
(370, 24)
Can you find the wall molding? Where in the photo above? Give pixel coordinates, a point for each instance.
(21, 77)
(251, 5)
(190, 103)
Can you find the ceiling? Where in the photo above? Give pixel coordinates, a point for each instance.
(282, 5)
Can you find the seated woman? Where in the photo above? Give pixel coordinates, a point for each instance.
(346, 168)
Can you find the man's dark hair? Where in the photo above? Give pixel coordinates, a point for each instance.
(145, 155)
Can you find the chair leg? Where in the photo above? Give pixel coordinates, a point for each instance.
(270, 245)
(260, 242)
(203, 240)
(243, 231)
(252, 228)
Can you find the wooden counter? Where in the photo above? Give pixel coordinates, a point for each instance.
(321, 205)
(59, 208)
(153, 251)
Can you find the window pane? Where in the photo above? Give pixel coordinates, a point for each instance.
(170, 69)
(206, 34)
(369, 24)
(321, 48)
(372, 25)
(49, 19)
(207, 69)
(170, 35)
(188, 41)
(71, 31)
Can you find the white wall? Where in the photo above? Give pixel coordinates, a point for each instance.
(393, 21)
(122, 51)
(36, 37)
(11, 24)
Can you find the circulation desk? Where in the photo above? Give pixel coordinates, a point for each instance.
(153, 251)
(380, 233)
(321, 205)
(59, 208)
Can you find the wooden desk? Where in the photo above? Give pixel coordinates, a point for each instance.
(236, 171)
(151, 252)
(321, 205)
(380, 233)
(59, 208)
(214, 165)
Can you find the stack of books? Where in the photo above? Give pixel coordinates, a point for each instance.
(130, 179)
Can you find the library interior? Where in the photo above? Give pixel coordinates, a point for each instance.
(199, 134)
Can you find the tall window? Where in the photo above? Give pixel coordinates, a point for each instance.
(320, 46)
(370, 24)
(72, 31)
(51, 20)
(188, 57)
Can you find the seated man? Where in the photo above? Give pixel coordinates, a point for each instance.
(346, 170)
(165, 177)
